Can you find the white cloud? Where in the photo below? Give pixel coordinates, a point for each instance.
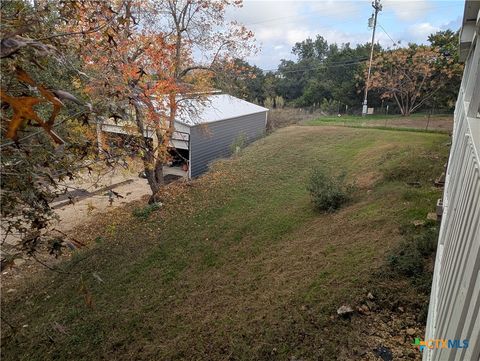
(421, 31)
(286, 37)
(277, 43)
(407, 9)
(293, 36)
(452, 24)
(279, 24)
(339, 37)
(339, 9)
(266, 34)
(265, 12)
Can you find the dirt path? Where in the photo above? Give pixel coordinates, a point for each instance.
(435, 123)
(88, 197)
(100, 199)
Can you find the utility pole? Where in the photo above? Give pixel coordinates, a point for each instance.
(377, 7)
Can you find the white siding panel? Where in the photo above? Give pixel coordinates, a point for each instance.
(455, 299)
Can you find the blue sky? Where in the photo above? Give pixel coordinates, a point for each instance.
(279, 24)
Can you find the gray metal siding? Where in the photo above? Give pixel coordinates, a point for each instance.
(213, 140)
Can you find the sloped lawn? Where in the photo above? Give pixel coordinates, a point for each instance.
(237, 265)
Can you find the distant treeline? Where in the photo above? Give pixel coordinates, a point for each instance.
(331, 77)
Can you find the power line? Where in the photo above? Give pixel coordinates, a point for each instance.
(393, 41)
(317, 67)
(323, 66)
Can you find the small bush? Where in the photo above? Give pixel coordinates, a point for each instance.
(144, 213)
(279, 102)
(426, 241)
(268, 103)
(238, 143)
(328, 193)
(407, 262)
(412, 255)
(329, 106)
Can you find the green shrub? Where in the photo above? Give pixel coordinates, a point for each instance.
(268, 103)
(145, 212)
(426, 241)
(279, 102)
(328, 193)
(238, 143)
(329, 106)
(407, 261)
(411, 257)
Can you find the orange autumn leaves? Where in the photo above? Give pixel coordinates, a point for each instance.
(411, 76)
(23, 108)
(125, 57)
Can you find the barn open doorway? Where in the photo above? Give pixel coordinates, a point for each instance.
(177, 164)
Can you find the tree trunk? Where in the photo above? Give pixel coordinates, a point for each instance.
(99, 135)
(400, 104)
(152, 167)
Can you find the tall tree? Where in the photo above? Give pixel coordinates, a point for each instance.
(322, 72)
(81, 60)
(412, 76)
(448, 46)
(129, 80)
(154, 72)
(148, 71)
(245, 81)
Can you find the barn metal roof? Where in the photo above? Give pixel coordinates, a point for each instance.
(213, 108)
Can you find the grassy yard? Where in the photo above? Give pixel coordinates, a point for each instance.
(416, 121)
(237, 265)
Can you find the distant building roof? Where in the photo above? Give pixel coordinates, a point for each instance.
(215, 107)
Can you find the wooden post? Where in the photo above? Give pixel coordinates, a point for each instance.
(428, 119)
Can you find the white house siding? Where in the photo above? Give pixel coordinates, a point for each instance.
(455, 298)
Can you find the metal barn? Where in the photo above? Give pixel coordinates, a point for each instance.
(208, 130)
(216, 125)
